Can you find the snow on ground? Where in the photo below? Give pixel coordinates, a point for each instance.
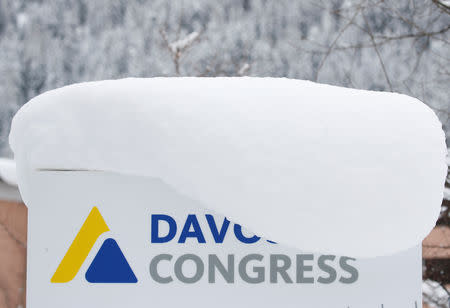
(257, 151)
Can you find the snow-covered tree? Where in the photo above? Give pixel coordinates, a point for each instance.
(391, 45)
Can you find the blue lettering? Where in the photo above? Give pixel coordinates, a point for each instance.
(218, 236)
(155, 228)
(197, 232)
(242, 238)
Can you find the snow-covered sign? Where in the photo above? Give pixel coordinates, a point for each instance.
(226, 192)
(162, 249)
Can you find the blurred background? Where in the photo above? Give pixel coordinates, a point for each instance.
(383, 45)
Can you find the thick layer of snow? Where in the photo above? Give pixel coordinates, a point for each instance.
(313, 166)
(8, 171)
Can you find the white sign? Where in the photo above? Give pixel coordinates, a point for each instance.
(98, 239)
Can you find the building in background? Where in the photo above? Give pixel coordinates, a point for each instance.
(13, 238)
(436, 258)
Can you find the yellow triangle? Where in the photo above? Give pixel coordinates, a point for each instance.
(93, 227)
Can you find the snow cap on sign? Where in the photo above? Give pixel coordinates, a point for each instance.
(317, 167)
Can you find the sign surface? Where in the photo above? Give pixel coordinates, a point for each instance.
(98, 239)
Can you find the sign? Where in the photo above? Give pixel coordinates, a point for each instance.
(98, 239)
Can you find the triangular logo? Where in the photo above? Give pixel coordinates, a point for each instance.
(108, 266)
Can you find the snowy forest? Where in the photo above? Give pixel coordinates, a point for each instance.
(393, 45)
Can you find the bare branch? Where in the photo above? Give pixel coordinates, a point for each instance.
(443, 6)
(330, 49)
(377, 52)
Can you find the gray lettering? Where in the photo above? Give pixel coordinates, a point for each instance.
(350, 269)
(276, 269)
(154, 268)
(259, 270)
(227, 273)
(199, 266)
(302, 268)
(327, 269)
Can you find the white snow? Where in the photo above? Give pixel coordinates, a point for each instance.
(434, 294)
(179, 45)
(244, 69)
(8, 171)
(316, 167)
(447, 193)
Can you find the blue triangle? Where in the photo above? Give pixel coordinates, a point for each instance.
(110, 265)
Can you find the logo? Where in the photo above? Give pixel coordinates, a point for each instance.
(108, 266)
(228, 264)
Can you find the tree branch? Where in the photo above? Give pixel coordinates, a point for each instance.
(316, 77)
(378, 53)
